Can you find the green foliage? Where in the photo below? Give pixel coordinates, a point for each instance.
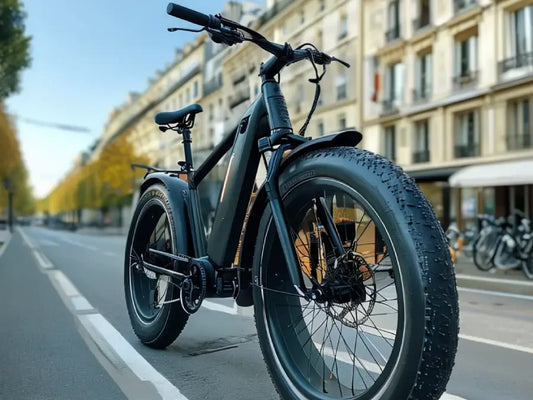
(14, 46)
(106, 181)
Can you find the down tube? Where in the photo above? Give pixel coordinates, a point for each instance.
(238, 185)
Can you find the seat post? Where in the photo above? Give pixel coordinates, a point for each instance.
(187, 148)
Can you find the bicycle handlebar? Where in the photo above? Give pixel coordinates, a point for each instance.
(193, 16)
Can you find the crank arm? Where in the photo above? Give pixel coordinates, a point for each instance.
(162, 271)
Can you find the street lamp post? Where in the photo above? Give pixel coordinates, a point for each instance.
(7, 187)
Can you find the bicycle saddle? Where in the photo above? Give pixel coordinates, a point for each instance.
(177, 117)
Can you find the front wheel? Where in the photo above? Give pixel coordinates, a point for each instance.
(384, 322)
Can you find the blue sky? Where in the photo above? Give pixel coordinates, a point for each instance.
(87, 55)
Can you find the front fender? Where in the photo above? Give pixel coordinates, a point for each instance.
(348, 138)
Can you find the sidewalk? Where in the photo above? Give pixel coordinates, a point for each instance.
(510, 281)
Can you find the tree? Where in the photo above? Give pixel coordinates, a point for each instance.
(12, 168)
(14, 46)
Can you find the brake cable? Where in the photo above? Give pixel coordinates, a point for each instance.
(316, 81)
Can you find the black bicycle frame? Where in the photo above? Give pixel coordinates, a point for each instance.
(267, 117)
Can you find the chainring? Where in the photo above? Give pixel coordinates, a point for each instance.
(192, 291)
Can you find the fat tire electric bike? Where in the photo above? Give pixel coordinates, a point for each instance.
(341, 256)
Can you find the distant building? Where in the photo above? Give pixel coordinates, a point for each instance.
(449, 84)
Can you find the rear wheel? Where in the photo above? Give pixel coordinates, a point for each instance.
(383, 318)
(152, 299)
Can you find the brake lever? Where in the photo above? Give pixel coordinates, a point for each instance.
(186, 30)
(341, 62)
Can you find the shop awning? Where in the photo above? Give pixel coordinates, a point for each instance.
(508, 173)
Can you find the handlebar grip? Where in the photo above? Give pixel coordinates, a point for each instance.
(192, 16)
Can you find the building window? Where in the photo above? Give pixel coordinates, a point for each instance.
(424, 15)
(302, 17)
(421, 142)
(463, 5)
(340, 86)
(465, 62)
(320, 128)
(195, 90)
(467, 134)
(393, 31)
(343, 26)
(187, 96)
(342, 122)
(389, 142)
(319, 40)
(322, 5)
(520, 128)
(394, 86)
(423, 77)
(520, 43)
(211, 112)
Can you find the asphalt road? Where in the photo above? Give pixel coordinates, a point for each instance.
(65, 334)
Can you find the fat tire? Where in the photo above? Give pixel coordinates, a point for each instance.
(171, 319)
(431, 331)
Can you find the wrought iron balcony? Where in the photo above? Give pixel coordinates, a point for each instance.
(466, 79)
(466, 150)
(421, 22)
(517, 142)
(393, 33)
(421, 94)
(390, 107)
(518, 61)
(463, 5)
(421, 156)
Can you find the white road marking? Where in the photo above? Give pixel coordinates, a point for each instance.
(29, 243)
(111, 254)
(80, 303)
(132, 373)
(499, 294)
(102, 332)
(497, 343)
(44, 242)
(210, 305)
(494, 280)
(64, 283)
(43, 261)
(76, 243)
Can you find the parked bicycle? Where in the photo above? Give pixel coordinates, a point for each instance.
(505, 243)
(341, 256)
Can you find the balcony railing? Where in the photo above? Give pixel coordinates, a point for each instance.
(212, 84)
(463, 5)
(393, 33)
(517, 142)
(421, 156)
(421, 22)
(466, 79)
(390, 107)
(518, 61)
(466, 150)
(421, 94)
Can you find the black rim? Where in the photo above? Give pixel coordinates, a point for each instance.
(150, 290)
(346, 344)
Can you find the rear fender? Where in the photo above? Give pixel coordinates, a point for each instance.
(244, 296)
(178, 191)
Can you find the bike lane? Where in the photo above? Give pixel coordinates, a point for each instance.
(42, 355)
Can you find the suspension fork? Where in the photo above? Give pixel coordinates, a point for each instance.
(280, 220)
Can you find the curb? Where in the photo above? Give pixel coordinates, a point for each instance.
(5, 241)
